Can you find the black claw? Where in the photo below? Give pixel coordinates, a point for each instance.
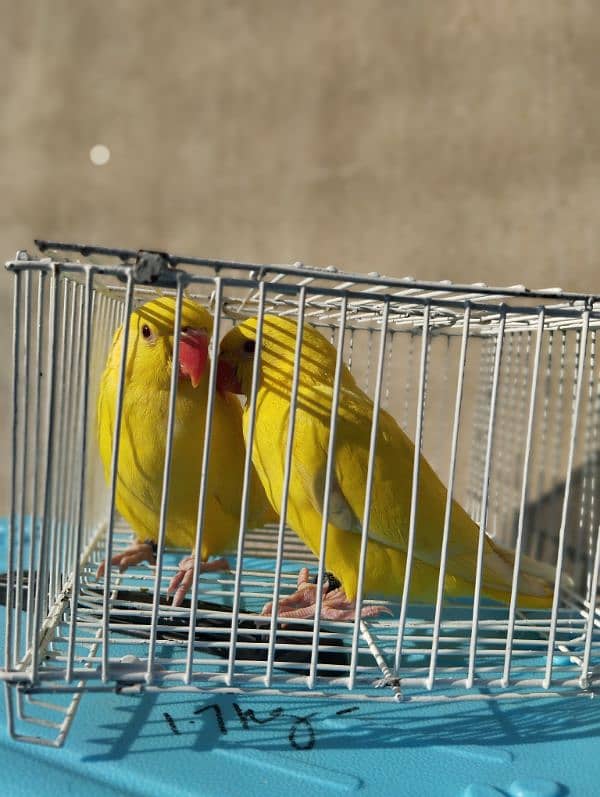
(333, 583)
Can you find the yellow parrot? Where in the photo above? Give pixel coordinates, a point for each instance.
(392, 483)
(143, 441)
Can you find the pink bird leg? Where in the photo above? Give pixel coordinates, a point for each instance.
(134, 554)
(181, 582)
(184, 577)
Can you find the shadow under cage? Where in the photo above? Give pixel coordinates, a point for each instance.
(498, 390)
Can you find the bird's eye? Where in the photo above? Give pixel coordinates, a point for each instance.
(146, 331)
(249, 346)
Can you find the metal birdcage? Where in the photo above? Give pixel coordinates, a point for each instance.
(497, 387)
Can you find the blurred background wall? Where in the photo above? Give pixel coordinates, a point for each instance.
(454, 140)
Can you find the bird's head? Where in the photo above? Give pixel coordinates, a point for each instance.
(151, 342)
(236, 358)
(278, 352)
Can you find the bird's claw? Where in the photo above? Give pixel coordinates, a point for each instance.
(132, 555)
(184, 577)
(334, 603)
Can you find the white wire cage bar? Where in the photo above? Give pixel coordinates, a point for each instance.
(497, 388)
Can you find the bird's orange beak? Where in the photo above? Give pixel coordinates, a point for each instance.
(227, 379)
(193, 354)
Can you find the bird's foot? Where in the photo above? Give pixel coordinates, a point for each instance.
(184, 577)
(334, 605)
(132, 555)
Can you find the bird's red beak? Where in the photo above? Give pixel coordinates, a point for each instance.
(193, 354)
(227, 379)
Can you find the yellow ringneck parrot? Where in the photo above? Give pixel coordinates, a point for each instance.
(392, 483)
(143, 439)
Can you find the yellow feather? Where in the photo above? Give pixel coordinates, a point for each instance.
(392, 484)
(143, 438)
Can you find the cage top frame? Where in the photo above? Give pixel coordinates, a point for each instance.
(324, 288)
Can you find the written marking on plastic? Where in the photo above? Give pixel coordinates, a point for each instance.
(301, 732)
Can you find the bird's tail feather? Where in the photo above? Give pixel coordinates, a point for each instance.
(536, 579)
(533, 567)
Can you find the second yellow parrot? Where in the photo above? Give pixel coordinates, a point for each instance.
(390, 511)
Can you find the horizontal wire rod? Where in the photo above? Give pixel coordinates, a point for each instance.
(559, 311)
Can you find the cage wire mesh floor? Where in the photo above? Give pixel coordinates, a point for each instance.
(497, 386)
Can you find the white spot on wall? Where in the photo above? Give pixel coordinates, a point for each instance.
(99, 154)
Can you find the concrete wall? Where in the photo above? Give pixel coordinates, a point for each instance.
(454, 139)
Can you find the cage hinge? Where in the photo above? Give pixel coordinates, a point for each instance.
(149, 266)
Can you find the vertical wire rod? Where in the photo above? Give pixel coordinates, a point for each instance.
(525, 371)
(534, 518)
(105, 314)
(13, 474)
(386, 393)
(286, 484)
(106, 597)
(369, 357)
(435, 640)
(517, 414)
(101, 333)
(591, 617)
(9, 693)
(441, 392)
(59, 455)
(583, 553)
(47, 487)
(204, 472)
(592, 528)
(475, 456)
(368, 495)
(524, 485)
(484, 500)
(506, 410)
(71, 378)
(72, 442)
(408, 379)
(555, 455)
(329, 476)
(36, 447)
(82, 447)
(24, 465)
(166, 480)
(560, 400)
(567, 494)
(426, 382)
(245, 501)
(414, 498)
(350, 349)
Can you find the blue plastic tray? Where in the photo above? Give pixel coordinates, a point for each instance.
(217, 745)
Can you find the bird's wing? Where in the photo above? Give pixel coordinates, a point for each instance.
(349, 473)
